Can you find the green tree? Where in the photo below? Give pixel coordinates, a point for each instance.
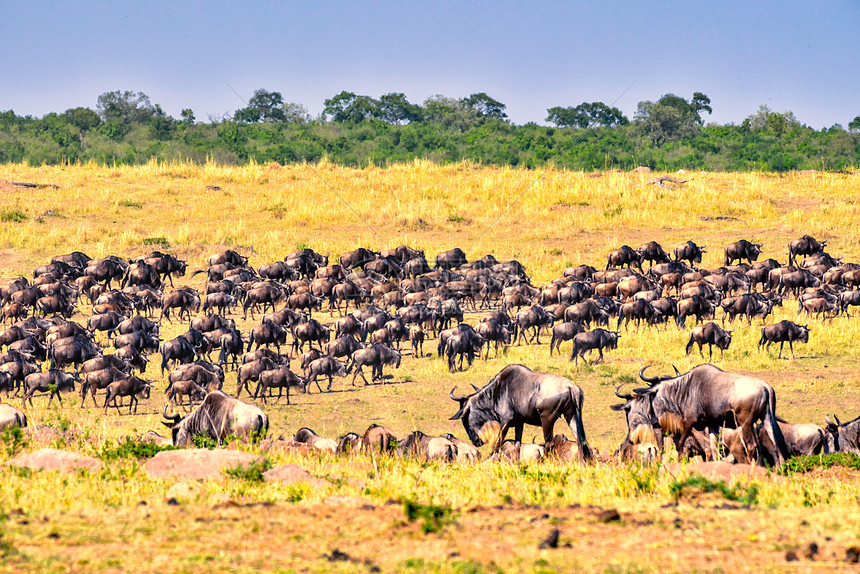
(587, 115)
(187, 116)
(485, 106)
(264, 106)
(162, 128)
(295, 113)
(84, 119)
(127, 107)
(854, 125)
(350, 107)
(671, 117)
(394, 108)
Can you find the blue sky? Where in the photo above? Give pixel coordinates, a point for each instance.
(798, 56)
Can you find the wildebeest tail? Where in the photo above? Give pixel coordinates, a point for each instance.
(772, 427)
(250, 340)
(580, 428)
(222, 355)
(690, 345)
(163, 362)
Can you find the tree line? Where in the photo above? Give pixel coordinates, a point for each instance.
(355, 130)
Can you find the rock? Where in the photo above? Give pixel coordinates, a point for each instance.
(852, 554)
(550, 541)
(152, 437)
(724, 471)
(53, 459)
(285, 447)
(791, 556)
(609, 515)
(809, 550)
(196, 463)
(290, 473)
(641, 169)
(185, 491)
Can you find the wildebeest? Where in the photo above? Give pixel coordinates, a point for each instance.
(697, 306)
(710, 334)
(218, 417)
(184, 299)
(309, 332)
(740, 250)
(326, 367)
(562, 332)
(419, 445)
(127, 387)
(624, 255)
(280, 378)
(52, 381)
(74, 353)
(343, 346)
(652, 252)
(416, 339)
(11, 417)
(843, 437)
(806, 245)
(357, 258)
(267, 333)
(518, 396)
(847, 298)
(597, 339)
(249, 372)
(497, 333)
(707, 398)
(535, 318)
(96, 380)
(375, 356)
(309, 437)
(450, 259)
(782, 332)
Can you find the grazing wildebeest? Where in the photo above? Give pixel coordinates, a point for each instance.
(109, 322)
(326, 367)
(624, 255)
(189, 389)
(219, 302)
(847, 298)
(12, 334)
(710, 334)
(278, 271)
(227, 256)
(638, 310)
(51, 304)
(801, 439)
(137, 323)
(180, 349)
(843, 437)
(52, 381)
(166, 265)
(104, 362)
(782, 332)
(749, 304)
(465, 343)
(281, 378)
(707, 398)
(375, 356)
(16, 371)
(597, 339)
(518, 396)
(585, 313)
(218, 417)
(304, 301)
(140, 273)
(562, 332)
(127, 387)
(138, 339)
(740, 250)
(132, 357)
(73, 353)
(262, 295)
(232, 345)
(343, 346)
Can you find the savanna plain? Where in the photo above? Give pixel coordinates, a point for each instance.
(387, 514)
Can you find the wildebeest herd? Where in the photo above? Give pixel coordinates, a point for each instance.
(397, 297)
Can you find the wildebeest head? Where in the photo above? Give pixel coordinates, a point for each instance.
(640, 418)
(478, 416)
(843, 437)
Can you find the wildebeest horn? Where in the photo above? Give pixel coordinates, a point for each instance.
(453, 398)
(626, 397)
(651, 380)
(677, 372)
(476, 388)
(829, 422)
(175, 418)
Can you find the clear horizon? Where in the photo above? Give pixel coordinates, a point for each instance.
(789, 56)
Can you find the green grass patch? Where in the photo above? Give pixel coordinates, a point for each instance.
(160, 240)
(127, 203)
(434, 517)
(130, 448)
(252, 472)
(804, 464)
(696, 482)
(12, 215)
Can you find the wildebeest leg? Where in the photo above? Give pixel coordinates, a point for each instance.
(791, 347)
(781, 343)
(497, 445)
(314, 380)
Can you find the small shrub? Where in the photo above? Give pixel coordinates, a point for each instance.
(130, 448)
(434, 517)
(127, 203)
(253, 472)
(13, 440)
(12, 215)
(161, 240)
(204, 441)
